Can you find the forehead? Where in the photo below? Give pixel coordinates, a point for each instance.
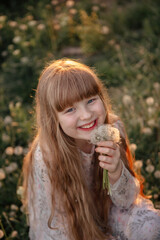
(75, 87)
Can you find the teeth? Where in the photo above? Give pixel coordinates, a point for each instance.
(88, 126)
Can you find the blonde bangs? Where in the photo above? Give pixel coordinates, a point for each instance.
(73, 86)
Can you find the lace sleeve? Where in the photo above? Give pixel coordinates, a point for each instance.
(40, 205)
(126, 189)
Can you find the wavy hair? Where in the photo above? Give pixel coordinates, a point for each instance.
(61, 84)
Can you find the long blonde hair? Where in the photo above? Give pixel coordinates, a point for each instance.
(61, 84)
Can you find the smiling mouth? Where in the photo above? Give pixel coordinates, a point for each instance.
(89, 126)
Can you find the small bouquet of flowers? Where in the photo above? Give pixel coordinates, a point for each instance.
(105, 133)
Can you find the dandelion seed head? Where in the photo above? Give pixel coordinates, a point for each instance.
(150, 168)
(138, 164)
(105, 133)
(9, 151)
(157, 174)
(2, 174)
(150, 101)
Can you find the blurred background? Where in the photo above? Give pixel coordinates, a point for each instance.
(119, 38)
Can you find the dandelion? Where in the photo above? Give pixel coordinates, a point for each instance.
(4, 53)
(147, 131)
(32, 23)
(127, 100)
(157, 174)
(24, 60)
(150, 101)
(9, 151)
(7, 120)
(133, 147)
(69, 3)
(17, 39)
(11, 168)
(111, 42)
(2, 174)
(18, 105)
(18, 150)
(73, 11)
(3, 18)
(14, 234)
(105, 30)
(95, 8)
(5, 137)
(151, 123)
(20, 191)
(14, 207)
(156, 86)
(151, 110)
(12, 23)
(155, 196)
(150, 168)
(1, 234)
(41, 26)
(16, 52)
(23, 27)
(105, 133)
(54, 2)
(138, 164)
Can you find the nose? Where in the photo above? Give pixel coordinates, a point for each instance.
(85, 113)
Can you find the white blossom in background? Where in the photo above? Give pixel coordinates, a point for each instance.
(18, 150)
(151, 110)
(95, 8)
(11, 168)
(14, 234)
(73, 11)
(14, 207)
(7, 120)
(127, 100)
(32, 23)
(17, 39)
(12, 23)
(151, 123)
(20, 191)
(9, 151)
(69, 3)
(2, 174)
(3, 18)
(147, 131)
(156, 86)
(150, 101)
(5, 137)
(133, 147)
(23, 27)
(155, 196)
(4, 53)
(157, 174)
(150, 168)
(138, 164)
(41, 26)
(1, 234)
(105, 30)
(16, 52)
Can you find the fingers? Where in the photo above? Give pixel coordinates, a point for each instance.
(105, 150)
(109, 144)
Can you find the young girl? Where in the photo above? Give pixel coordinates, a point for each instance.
(63, 170)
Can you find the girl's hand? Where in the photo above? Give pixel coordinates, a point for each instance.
(110, 159)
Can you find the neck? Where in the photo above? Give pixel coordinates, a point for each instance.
(84, 145)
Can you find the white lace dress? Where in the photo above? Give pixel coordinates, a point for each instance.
(131, 218)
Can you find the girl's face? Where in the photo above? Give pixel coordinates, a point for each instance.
(79, 120)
